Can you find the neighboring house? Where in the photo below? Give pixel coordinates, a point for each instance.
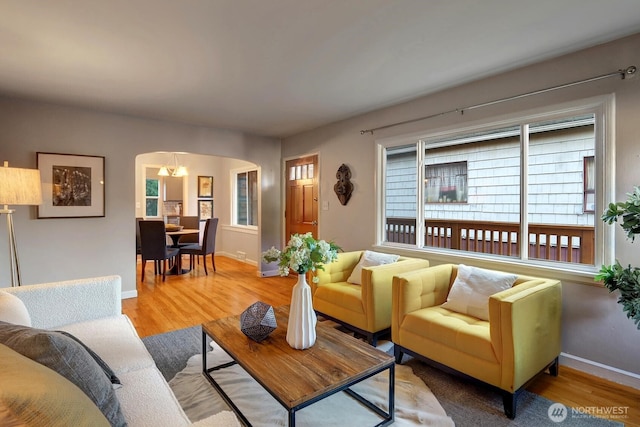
(475, 178)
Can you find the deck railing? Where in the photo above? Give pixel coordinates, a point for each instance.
(564, 243)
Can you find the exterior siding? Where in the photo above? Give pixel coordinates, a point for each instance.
(493, 180)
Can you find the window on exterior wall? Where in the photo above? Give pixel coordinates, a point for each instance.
(589, 180)
(246, 198)
(524, 190)
(152, 195)
(446, 183)
(401, 194)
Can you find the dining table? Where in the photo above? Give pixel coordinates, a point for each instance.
(175, 237)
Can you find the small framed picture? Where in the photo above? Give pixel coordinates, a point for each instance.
(205, 186)
(72, 185)
(205, 209)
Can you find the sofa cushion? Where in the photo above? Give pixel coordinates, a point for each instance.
(115, 340)
(68, 358)
(472, 288)
(13, 310)
(147, 400)
(34, 395)
(370, 259)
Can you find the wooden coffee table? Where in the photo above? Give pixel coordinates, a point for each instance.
(299, 378)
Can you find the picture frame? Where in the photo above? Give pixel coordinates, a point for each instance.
(205, 186)
(205, 209)
(72, 185)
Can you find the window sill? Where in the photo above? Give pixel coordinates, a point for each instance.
(565, 272)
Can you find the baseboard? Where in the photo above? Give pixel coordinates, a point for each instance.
(600, 370)
(269, 273)
(129, 294)
(235, 257)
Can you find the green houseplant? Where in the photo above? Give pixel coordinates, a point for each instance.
(624, 279)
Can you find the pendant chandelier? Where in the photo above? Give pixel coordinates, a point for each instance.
(176, 171)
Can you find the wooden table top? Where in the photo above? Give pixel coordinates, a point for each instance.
(297, 376)
(182, 232)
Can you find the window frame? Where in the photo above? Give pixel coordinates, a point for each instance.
(587, 191)
(603, 109)
(234, 196)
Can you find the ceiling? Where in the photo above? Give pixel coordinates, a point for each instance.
(279, 67)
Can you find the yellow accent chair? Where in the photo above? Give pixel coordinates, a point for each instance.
(362, 308)
(520, 339)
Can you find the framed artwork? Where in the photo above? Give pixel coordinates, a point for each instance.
(72, 185)
(205, 209)
(205, 186)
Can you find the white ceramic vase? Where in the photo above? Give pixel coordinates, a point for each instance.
(301, 329)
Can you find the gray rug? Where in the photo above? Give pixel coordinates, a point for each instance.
(467, 403)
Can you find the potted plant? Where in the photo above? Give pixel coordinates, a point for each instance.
(626, 280)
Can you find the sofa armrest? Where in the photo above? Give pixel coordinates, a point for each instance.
(525, 323)
(55, 304)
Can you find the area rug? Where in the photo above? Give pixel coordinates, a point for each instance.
(466, 403)
(415, 405)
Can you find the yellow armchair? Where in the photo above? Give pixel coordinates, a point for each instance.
(521, 338)
(365, 308)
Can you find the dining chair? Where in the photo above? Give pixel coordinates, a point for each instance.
(208, 245)
(138, 245)
(192, 222)
(153, 240)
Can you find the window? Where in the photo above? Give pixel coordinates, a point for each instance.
(446, 182)
(152, 194)
(589, 179)
(246, 198)
(523, 190)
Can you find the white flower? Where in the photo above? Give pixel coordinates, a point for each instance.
(303, 253)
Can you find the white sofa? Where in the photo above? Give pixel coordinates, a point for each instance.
(91, 310)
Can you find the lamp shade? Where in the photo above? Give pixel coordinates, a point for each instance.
(20, 186)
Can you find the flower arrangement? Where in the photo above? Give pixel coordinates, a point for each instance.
(303, 253)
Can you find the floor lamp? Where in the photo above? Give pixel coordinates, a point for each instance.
(17, 187)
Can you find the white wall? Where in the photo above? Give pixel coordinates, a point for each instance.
(594, 327)
(59, 249)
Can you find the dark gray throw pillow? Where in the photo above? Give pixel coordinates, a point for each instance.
(68, 358)
(103, 365)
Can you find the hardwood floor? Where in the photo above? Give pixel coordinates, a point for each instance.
(193, 298)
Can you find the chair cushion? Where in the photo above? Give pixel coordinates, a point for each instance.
(68, 358)
(455, 330)
(13, 310)
(370, 259)
(342, 294)
(34, 395)
(472, 288)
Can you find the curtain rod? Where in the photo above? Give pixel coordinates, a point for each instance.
(623, 73)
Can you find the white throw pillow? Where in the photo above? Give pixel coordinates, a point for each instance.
(472, 288)
(370, 259)
(13, 310)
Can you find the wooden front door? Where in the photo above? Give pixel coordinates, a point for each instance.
(301, 215)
